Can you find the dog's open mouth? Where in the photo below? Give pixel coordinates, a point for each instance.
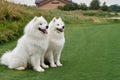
(60, 30)
(43, 30)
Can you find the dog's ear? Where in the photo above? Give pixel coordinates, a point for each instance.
(60, 18)
(35, 18)
(54, 19)
(42, 17)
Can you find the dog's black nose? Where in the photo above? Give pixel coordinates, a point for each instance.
(63, 27)
(46, 27)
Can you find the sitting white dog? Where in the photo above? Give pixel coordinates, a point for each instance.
(30, 48)
(56, 42)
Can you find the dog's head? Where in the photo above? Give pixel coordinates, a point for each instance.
(36, 26)
(40, 24)
(57, 25)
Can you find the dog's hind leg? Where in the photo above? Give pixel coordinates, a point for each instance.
(51, 59)
(20, 68)
(35, 61)
(17, 66)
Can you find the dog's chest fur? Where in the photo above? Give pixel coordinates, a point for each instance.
(56, 42)
(38, 44)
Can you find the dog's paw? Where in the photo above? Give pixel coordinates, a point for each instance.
(53, 65)
(45, 66)
(59, 64)
(20, 68)
(39, 69)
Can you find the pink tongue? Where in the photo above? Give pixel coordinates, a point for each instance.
(45, 32)
(62, 30)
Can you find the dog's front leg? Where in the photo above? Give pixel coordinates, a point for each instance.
(57, 56)
(35, 61)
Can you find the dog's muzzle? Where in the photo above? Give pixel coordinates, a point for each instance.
(60, 29)
(43, 30)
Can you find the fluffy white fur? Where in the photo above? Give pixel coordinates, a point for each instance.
(30, 48)
(56, 42)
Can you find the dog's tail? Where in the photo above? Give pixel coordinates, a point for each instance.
(4, 56)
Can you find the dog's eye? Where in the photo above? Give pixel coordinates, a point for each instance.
(57, 24)
(40, 23)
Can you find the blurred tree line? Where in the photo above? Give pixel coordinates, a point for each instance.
(94, 5)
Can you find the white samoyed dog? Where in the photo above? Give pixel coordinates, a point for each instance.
(30, 48)
(56, 42)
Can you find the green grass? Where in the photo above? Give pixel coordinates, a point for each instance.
(91, 52)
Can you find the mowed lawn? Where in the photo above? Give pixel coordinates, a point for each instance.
(91, 52)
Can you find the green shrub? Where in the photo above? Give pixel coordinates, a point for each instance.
(114, 8)
(69, 7)
(13, 18)
(10, 11)
(83, 6)
(95, 5)
(104, 7)
(97, 14)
